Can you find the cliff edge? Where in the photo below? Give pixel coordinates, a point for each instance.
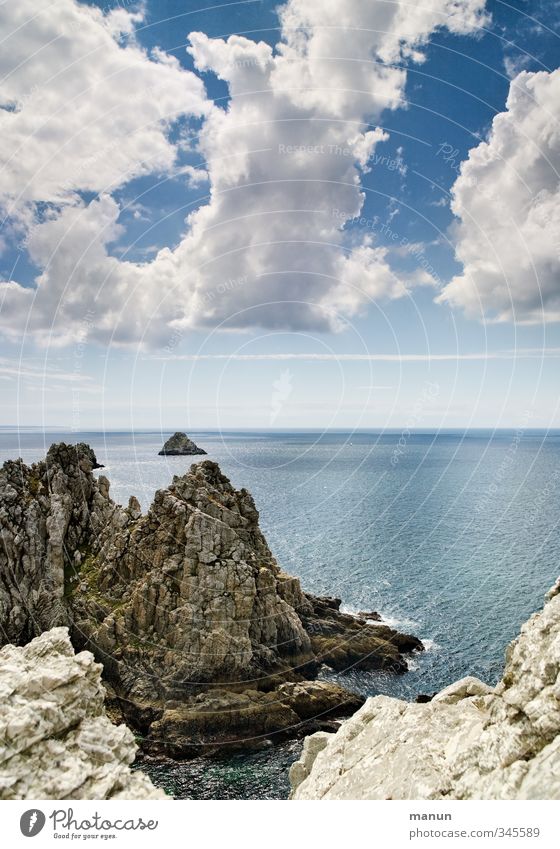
(471, 741)
(55, 740)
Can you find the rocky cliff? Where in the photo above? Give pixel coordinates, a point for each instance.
(49, 514)
(471, 741)
(55, 740)
(204, 639)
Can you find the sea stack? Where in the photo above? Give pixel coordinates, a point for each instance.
(179, 445)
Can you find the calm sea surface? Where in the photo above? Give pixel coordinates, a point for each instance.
(454, 537)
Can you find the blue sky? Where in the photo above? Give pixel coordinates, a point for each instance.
(195, 267)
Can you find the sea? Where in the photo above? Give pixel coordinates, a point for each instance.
(453, 536)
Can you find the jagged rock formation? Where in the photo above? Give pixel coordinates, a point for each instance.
(55, 740)
(50, 513)
(180, 445)
(185, 607)
(471, 741)
(343, 641)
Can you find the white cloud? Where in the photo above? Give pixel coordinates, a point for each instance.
(507, 199)
(14, 369)
(514, 64)
(284, 162)
(80, 111)
(121, 302)
(194, 176)
(334, 53)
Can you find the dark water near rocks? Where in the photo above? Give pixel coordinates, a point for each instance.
(455, 539)
(257, 775)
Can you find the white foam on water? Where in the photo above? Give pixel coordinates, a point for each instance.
(393, 622)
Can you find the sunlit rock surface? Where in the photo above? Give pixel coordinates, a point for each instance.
(55, 740)
(470, 742)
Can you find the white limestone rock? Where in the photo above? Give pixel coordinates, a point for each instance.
(312, 745)
(55, 740)
(470, 742)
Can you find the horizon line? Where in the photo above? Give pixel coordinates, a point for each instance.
(510, 354)
(317, 429)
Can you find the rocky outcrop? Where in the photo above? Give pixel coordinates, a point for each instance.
(55, 740)
(343, 641)
(218, 718)
(470, 741)
(180, 445)
(185, 606)
(50, 513)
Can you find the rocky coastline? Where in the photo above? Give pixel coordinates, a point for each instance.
(206, 644)
(470, 741)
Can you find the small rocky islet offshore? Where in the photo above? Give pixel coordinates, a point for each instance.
(180, 445)
(206, 644)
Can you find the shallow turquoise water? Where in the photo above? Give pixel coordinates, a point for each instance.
(454, 537)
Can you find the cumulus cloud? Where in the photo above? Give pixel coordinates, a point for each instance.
(284, 160)
(80, 111)
(334, 55)
(507, 200)
(83, 289)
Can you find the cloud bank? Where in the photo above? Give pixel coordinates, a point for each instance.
(507, 199)
(86, 109)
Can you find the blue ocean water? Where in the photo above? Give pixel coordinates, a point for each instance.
(452, 536)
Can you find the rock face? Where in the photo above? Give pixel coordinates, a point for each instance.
(470, 741)
(49, 514)
(247, 719)
(180, 445)
(55, 740)
(195, 623)
(341, 641)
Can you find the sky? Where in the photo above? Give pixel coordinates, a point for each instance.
(316, 214)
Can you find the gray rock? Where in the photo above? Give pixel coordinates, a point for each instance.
(462, 689)
(245, 719)
(180, 445)
(56, 741)
(312, 745)
(49, 512)
(470, 742)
